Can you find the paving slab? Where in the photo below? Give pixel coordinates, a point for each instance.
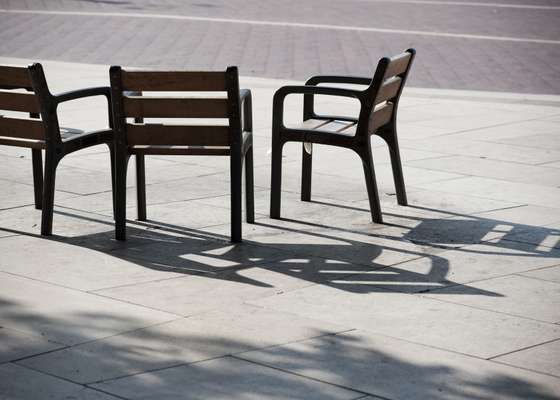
(15, 345)
(417, 319)
(454, 267)
(544, 358)
(551, 274)
(519, 295)
(238, 379)
(20, 383)
(68, 316)
(194, 294)
(229, 331)
(396, 369)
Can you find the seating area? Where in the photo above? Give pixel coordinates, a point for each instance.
(453, 296)
(130, 98)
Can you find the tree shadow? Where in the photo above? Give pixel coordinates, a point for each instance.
(178, 359)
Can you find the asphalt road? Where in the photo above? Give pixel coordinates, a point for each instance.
(497, 45)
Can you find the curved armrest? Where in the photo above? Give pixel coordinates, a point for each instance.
(88, 92)
(81, 93)
(353, 80)
(280, 95)
(246, 100)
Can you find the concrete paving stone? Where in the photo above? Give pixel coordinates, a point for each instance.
(194, 294)
(15, 195)
(547, 236)
(513, 172)
(229, 331)
(454, 267)
(20, 383)
(465, 146)
(15, 345)
(555, 164)
(544, 358)
(71, 180)
(68, 316)
(534, 217)
(522, 296)
(499, 190)
(395, 369)
(509, 133)
(543, 140)
(369, 249)
(551, 274)
(238, 379)
(414, 318)
(67, 223)
(55, 262)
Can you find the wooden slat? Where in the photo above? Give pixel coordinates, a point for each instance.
(380, 116)
(179, 81)
(14, 77)
(388, 90)
(32, 144)
(180, 150)
(22, 128)
(180, 135)
(165, 107)
(398, 65)
(335, 126)
(26, 102)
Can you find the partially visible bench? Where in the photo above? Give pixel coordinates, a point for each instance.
(33, 123)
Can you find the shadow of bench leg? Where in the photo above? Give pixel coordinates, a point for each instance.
(371, 184)
(141, 186)
(306, 164)
(249, 187)
(37, 160)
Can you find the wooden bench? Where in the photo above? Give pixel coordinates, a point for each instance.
(24, 91)
(377, 116)
(233, 139)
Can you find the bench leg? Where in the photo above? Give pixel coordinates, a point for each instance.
(141, 186)
(276, 179)
(249, 187)
(306, 164)
(37, 160)
(121, 164)
(397, 167)
(236, 166)
(51, 163)
(371, 184)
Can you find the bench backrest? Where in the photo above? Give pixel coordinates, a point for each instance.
(132, 99)
(17, 95)
(385, 90)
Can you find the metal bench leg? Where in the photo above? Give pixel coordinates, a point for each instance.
(397, 169)
(276, 178)
(141, 186)
(236, 166)
(121, 163)
(371, 184)
(249, 187)
(306, 164)
(51, 163)
(37, 160)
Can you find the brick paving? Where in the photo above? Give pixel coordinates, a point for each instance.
(296, 52)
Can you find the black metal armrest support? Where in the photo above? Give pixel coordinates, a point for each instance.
(88, 92)
(280, 95)
(352, 80)
(246, 100)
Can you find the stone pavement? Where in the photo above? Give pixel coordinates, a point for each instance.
(455, 297)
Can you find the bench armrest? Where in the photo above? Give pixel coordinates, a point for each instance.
(352, 80)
